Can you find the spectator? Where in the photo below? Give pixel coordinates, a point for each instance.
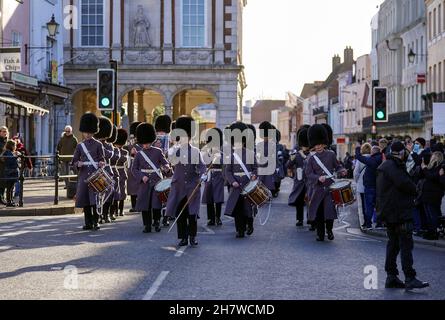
(395, 202)
(420, 152)
(383, 144)
(349, 165)
(432, 193)
(369, 182)
(11, 171)
(66, 147)
(4, 134)
(21, 151)
(359, 171)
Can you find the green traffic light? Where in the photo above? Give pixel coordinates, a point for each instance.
(105, 102)
(380, 115)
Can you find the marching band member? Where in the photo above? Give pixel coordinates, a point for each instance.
(239, 173)
(189, 173)
(122, 167)
(147, 169)
(88, 158)
(330, 137)
(213, 195)
(133, 148)
(163, 126)
(319, 172)
(297, 165)
(267, 180)
(105, 133)
(113, 163)
(279, 172)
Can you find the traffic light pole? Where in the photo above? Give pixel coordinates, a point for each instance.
(375, 83)
(113, 65)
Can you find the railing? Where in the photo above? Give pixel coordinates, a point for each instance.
(47, 168)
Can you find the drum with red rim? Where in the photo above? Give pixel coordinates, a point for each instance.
(162, 188)
(342, 193)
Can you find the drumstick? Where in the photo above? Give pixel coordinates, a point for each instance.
(192, 196)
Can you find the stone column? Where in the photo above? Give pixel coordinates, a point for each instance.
(168, 32)
(219, 32)
(115, 42)
(141, 112)
(130, 107)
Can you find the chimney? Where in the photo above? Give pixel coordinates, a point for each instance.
(349, 55)
(336, 61)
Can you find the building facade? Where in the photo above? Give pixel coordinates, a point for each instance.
(435, 13)
(400, 29)
(173, 55)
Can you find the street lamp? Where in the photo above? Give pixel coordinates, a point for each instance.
(412, 56)
(52, 27)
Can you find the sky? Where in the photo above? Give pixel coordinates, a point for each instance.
(287, 43)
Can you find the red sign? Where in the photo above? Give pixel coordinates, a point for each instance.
(341, 140)
(421, 78)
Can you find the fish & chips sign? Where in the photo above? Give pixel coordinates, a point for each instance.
(10, 59)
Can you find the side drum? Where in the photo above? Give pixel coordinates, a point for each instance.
(100, 181)
(342, 193)
(257, 193)
(162, 189)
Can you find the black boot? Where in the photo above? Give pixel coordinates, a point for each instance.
(331, 236)
(413, 283)
(193, 241)
(147, 229)
(183, 243)
(211, 223)
(165, 222)
(240, 234)
(157, 226)
(299, 223)
(393, 282)
(219, 222)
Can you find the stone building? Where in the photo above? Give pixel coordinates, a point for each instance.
(173, 55)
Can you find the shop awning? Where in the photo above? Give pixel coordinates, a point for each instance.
(29, 107)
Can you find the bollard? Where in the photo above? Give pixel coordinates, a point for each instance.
(56, 176)
(21, 179)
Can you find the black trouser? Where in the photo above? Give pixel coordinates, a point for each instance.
(149, 216)
(187, 224)
(300, 206)
(322, 223)
(133, 202)
(91, 216)
(400, 240)
(240, 218)
(121, 207)
(10, 191)
(2, 191)
(214, 211)
(106, 210)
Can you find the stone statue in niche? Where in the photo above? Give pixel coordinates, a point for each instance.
(141, 27)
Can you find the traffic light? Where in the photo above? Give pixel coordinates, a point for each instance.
(106, 82)
(380, 108)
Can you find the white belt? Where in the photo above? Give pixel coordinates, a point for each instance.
(217, 170)
(148, 171)
(120, 167)
(239, 174)
(89, 164)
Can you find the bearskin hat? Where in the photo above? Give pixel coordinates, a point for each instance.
(185, 123)
(113, 137)
(330, 133)
(145, 133)
(173, 126)
(303, 140)
(122, 137)
(212, 133)
(264, 129)
(105, 129)
(89, 123)
(133, 128)
(317, 135)
(163, 124)
(238, 126)
(252, 127)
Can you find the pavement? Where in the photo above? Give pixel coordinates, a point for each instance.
(52, 258)
(38, 200)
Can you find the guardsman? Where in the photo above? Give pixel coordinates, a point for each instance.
(133, 148)
(148, 167)
(122, 168)
(279, 172)
(113, 163)
(297, 165)
(184, 200)
(105, 133)
(319, 170)
(88, 158)
(239, 172)
(163, 127)
(213, 195)
(266, 129)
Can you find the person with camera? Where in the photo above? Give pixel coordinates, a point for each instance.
(396, 193)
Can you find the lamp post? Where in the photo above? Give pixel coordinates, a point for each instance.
(53, 28)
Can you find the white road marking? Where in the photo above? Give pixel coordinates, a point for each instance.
(344, 226)
(180, 252)
(155, 286)
(208, 231)
(362, 240)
